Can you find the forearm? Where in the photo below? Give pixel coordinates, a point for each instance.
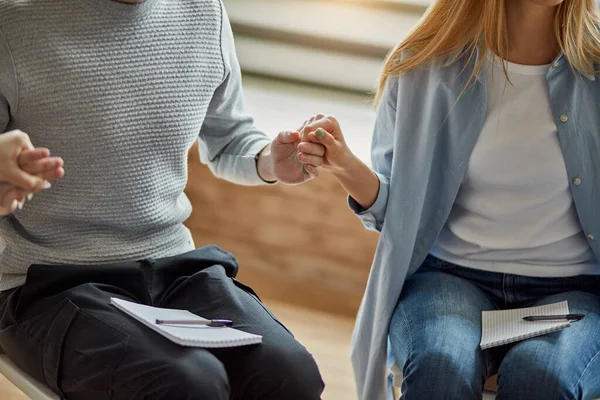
(236, 161)
(360, 182)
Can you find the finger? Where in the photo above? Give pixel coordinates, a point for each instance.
(323, 137)
(329, 124)
(310, 159)
(304, 132)
(315, 149)
(43, 165)
(21, 139)
(29, 156)
(8, 200)
(303, 126)
(53, 175)
(10, 205)
(316, 117)
(311, 170)
(12, 198)
(20, 196)
(24, 180)
(287, 137)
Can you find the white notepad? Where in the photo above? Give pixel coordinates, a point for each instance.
(507, 326)
(185, 335)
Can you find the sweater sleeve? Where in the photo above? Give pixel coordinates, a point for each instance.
(8, 83)
(228, 139)
(8, 91)
(382, 151)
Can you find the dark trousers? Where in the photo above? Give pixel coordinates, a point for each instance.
(61, 328)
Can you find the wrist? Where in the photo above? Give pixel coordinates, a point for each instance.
(349, 167)
(265, 165)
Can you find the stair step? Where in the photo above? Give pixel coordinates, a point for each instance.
(351, 26)
(335, 43)
(304, 64)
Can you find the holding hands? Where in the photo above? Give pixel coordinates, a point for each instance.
(295, 157)
(24, 170)
(324, 133)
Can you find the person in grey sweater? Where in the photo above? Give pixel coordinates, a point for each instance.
(121, 90)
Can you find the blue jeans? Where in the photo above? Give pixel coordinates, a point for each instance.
(436, 329)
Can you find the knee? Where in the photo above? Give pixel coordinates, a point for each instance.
(191, 378)
(208, 378)
(449, 372)
(533, 385)
(529, 380)
(291, 373)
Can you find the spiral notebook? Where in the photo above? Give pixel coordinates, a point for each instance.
(185, 335)
(507, 326)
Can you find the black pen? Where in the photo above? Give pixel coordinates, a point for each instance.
(215, 323)
(568, 317)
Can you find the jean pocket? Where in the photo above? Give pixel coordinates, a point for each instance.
(253, 294)
(79, 347)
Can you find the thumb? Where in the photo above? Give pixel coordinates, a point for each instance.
(287, 137)
(323, 137)
(22, 179)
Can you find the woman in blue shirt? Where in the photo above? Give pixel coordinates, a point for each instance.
(485, 188)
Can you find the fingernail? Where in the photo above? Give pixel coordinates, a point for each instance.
(46, 185)
(304, 171)
(30, 196)
(320, 133)
(20, 205)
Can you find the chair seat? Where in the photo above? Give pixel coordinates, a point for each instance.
(34, 389)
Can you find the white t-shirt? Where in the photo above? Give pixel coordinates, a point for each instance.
(514, 212)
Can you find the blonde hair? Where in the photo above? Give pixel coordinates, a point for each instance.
(451, 27)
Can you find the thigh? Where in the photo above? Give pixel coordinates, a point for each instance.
(278, 368)
(560, 365)
(84, 348)
(435, 333)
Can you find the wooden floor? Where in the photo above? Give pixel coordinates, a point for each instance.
(326, 336)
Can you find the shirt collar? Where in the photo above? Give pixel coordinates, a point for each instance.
(561, 59)
(459, 54)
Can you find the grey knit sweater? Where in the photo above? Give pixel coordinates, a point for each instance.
(121, 92)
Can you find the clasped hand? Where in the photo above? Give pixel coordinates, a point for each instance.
(24, 170)
(319, 143)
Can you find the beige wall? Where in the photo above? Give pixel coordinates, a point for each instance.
(297, 244)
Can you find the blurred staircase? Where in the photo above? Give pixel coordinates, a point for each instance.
(332, 43)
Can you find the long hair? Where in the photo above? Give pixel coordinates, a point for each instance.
(451, 27)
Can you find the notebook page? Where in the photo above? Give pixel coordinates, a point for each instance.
(507, 326)
(185, 335)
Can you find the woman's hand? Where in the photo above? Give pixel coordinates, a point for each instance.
(324, 131)
(356, 177)
(280, 160)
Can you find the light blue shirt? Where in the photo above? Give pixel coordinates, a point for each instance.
(424, 136)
